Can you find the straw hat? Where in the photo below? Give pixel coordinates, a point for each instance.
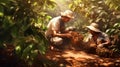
(67, 13)
(94, 27)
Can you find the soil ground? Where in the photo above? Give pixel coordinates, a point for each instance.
(80, 58)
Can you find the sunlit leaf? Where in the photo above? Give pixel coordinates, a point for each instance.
(1, 11)
(26, 51)
(35, 3)
(48, 18)
(86, 15)
(34, 53)
(112, 30)
(99, 2)
(70, 5)
(108, 31)
(116, 31)
(18, 49)
(116, 25)
(43, 13)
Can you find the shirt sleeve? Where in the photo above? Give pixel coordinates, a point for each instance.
(103, 38)
(106, 36)
(55, 25)
(87, 38)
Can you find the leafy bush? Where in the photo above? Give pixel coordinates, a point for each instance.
(22, 24)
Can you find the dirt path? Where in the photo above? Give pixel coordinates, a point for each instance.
(79, 57)
(73, 58)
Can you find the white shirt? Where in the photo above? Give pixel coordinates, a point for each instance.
(55, 24)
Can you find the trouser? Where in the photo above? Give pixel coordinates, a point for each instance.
(55, 40)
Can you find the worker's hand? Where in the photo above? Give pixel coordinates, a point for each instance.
(100, 45)
(68, 35)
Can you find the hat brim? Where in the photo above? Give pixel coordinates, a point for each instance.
(63, 14)
(93, 28)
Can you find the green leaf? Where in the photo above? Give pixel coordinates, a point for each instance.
(35, 3)
(112, 30)
(4, 1)
(14, 32)
(42, 48)
(34, 53)
(70, 5)
(116, 25)
(18, 49)
(26, 51)
(118, 8)
(108, 31)
(1, 11)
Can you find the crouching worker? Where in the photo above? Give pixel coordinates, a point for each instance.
(56, 28)
(97, 39)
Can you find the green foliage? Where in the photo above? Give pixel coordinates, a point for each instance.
(113, 4)
(22, 24)
(104, 12)
(95, 11)
(114, 30)
(1, 11)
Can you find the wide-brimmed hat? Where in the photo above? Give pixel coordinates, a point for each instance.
(94, 27)
(67, 13)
